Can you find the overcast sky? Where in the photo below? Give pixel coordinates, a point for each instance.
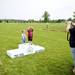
(34, 9)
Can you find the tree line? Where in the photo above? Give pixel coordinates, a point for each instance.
(45, 17)
(30, 21)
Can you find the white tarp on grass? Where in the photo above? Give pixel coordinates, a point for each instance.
(24, 49)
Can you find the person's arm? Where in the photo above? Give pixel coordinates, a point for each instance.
(68, 36)
(68, 26)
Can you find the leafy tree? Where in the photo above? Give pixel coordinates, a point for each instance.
(73, 15)
(69, 19)
(46, 16)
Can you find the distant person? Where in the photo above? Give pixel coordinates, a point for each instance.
(23, 36)
(30, 34)
(71, 38)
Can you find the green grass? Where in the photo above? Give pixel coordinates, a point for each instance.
(55, 60)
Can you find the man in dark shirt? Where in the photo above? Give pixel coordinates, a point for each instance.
(71, 30)
(72, 37)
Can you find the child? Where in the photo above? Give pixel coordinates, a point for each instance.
(30, 34)
(23, 37)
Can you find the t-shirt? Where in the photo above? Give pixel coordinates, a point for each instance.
(30, 32)
(23, 36)
(72, 37)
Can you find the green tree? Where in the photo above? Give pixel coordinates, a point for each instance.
(69, 19)
(73, 15)
(46, 16)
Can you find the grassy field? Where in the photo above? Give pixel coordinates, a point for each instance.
(55, 60)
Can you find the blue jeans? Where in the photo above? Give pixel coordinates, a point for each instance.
(73, 54)
(23, 40)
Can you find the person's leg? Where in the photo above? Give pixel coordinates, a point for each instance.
(23, 40)
(73, 55)
(30, 40)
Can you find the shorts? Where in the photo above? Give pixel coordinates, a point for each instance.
(29, 38)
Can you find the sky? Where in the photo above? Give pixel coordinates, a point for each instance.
(34, 9)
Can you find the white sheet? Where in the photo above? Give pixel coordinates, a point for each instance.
(24, 49)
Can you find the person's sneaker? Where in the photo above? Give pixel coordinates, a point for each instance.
(74, 70)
